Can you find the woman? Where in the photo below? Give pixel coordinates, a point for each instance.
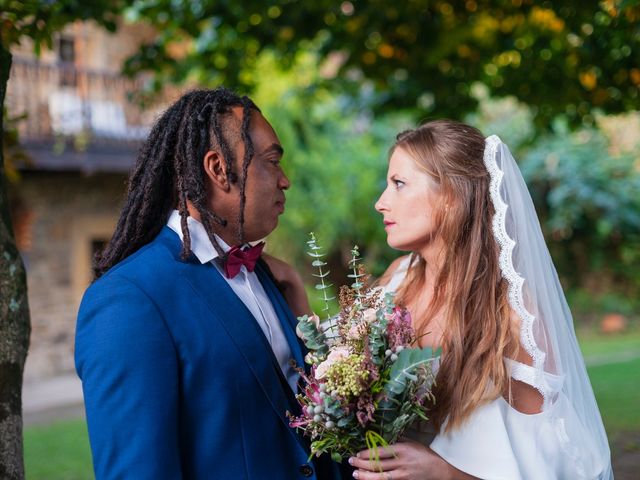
(513, 400)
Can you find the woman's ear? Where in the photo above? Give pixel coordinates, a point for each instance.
(215, 169)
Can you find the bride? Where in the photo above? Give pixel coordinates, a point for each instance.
(513, 400)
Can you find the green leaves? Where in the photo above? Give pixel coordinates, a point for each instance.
(357, 273)
(405, 367)
(316, 252)
(563, 58)
(311, 335)
(410, 378)
(377, 339)
(39, 20)
(586, 195)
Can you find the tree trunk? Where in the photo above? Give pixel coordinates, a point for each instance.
(14, 319)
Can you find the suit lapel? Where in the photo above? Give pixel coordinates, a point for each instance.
(284, 314)
(242, 328)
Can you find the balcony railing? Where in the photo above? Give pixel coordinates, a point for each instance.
(67, 102)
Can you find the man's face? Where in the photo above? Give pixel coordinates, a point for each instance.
(266, 181)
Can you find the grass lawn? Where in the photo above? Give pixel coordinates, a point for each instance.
(616, 385)
(617, 389)
(61, 451)
(592, 343)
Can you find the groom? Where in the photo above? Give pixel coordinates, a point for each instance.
(184, 342)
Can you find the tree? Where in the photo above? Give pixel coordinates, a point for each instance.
(336, 162)
(584, 182)
(37, 20)
(585, 185)
(562, 58)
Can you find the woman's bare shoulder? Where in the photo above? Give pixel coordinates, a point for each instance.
(391, 269)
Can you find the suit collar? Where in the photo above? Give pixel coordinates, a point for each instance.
(201, 245)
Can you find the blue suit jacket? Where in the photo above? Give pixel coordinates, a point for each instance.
(178, 378)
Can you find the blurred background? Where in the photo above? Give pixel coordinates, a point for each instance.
(557, 81)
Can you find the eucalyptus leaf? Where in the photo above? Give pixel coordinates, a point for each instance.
(404, 368)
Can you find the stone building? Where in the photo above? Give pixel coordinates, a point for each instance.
(81, 131)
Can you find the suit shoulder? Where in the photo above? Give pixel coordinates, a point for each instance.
(152, 260)
(150, 269)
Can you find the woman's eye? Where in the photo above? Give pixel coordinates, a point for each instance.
(398, 183)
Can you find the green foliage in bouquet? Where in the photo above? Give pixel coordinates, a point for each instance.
(367, 382)
(309, 325)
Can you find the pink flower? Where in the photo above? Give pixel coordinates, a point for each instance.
(316, 320)
(335, 355)
(355, 332)
(399, 329)
(299, 422)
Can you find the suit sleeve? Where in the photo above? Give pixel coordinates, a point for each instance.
(126, 359)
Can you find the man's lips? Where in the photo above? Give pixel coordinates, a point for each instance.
(280, 205)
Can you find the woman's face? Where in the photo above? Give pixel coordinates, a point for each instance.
(408, 204)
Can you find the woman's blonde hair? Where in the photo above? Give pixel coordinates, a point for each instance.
(469, 289)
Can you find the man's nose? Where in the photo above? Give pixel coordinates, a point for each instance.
(284, 182)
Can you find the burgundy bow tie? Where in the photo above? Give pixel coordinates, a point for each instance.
(236, 257)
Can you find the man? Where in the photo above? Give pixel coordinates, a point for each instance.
(183, 342)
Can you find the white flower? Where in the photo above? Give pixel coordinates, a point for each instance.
(369, 315)
(335, 355)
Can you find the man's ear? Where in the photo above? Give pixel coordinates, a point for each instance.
(215, 169)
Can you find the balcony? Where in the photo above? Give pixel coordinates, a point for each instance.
(76, 118)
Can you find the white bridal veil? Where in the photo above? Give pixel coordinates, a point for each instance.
(546, 329)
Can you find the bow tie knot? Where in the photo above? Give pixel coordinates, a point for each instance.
(236, 257)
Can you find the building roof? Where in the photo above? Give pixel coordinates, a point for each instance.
(108, 158)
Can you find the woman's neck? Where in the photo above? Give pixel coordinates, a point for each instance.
(429, 322)
(433, 256)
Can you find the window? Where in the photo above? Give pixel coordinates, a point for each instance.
(66, 50)
(67, 57)
(97, 245)
(89, 235)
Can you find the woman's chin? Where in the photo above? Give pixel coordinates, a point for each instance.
(399, 246)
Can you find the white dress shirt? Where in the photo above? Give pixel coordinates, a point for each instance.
(247, 287)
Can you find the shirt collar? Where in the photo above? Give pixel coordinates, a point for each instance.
(201, 246)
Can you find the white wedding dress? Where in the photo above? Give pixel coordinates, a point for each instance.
(500, 443)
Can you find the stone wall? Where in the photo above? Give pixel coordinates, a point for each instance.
(59, 217)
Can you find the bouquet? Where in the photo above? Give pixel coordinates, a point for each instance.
(366, 383)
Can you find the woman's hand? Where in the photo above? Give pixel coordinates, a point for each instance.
(291, 284)
(404, 461)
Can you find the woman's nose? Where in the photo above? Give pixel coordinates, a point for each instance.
(381, 205)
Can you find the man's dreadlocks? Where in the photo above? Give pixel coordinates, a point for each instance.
(169, 172)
